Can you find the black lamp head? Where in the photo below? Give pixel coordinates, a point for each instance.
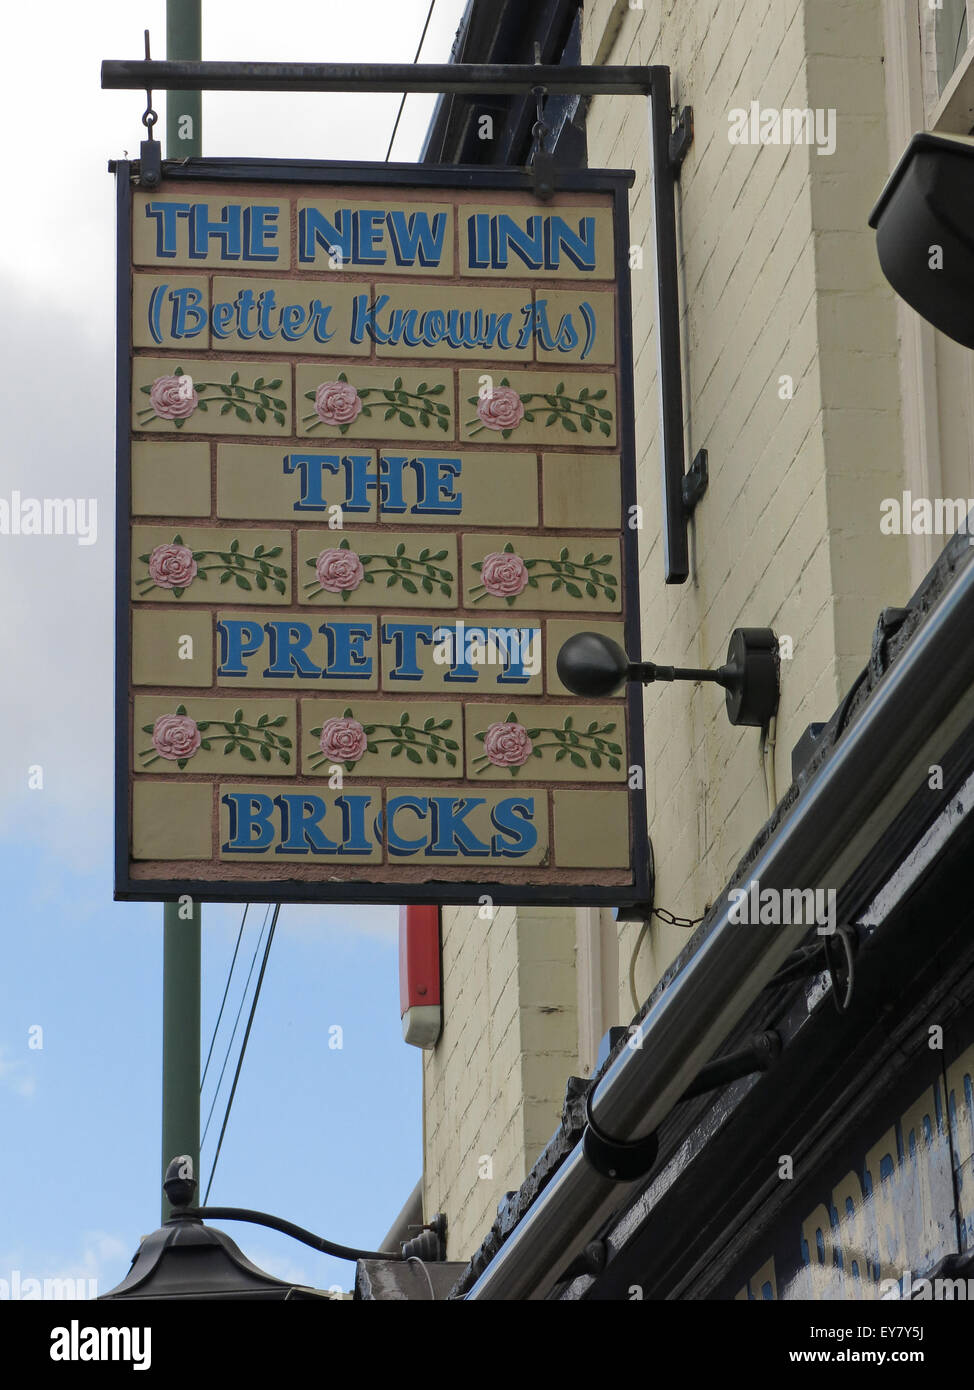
(592, 664)
(923, 223)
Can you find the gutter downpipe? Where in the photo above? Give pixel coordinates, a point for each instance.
(914, 714)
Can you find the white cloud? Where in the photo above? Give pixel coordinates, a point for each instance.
(16, 1076)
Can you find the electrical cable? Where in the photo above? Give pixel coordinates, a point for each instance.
(766, 747)
(243, 998)
(409, 1260)
(402, 104)
(643, 933)
(243, 1047)
(216, 1026)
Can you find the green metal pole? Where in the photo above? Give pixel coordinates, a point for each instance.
(180, 1035)
(184, 110)
(181, 921)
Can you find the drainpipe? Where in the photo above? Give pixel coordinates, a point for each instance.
(919, 707)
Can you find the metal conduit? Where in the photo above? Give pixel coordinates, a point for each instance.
(918, 708)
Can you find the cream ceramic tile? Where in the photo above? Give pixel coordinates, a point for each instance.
(591, 829)
(210, 397)
(336, 401)
(469, 826)
(194, 734)
(171, 480)
(297, 651)
(172, 648)
(177, 562)
(545, 743)
(290, 824)
(376, 232)
(207, 227)
(541, 572)
(563, 408)
(486, 323)
(172, 820)
(264, 482)
(469, 488)
(551, 242)
(414, 569)
(251, 314)
(382, 738)
(582, 491)
(421, 654)
(171, 311)
(575, 326)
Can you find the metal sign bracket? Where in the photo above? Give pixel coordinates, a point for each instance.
(669, 143)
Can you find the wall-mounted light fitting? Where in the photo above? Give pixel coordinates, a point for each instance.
(593, 665)
(924, 238)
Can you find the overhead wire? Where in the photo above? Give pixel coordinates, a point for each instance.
(243, 999)
(219, 1017)
(243, 1048)
(402, 103)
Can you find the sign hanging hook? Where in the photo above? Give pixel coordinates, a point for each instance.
(542, 163)
(150, 158)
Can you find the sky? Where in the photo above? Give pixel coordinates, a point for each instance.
(328, 1138)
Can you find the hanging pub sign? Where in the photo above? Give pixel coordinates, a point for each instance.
(375, 465)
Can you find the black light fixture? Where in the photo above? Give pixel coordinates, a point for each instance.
(924, 223)
(186, 1259)
(593, 665)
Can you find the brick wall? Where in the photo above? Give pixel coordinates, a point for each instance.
(779, 278)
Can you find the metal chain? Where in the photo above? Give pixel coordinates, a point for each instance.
(672, 920)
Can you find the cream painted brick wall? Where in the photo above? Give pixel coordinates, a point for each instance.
(779, 277)
(496, 1080)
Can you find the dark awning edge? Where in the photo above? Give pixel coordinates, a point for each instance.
(888, 649)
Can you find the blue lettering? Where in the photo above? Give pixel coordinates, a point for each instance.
(188, 319)
(419, 805)
(354, 838)
(578, 246)
(226, 230)
(367, 237)
(416, 240)
(406, 637)
(450, 832)
(358, 482)
(528, 241)
(300, 829)
(166, 215)
(238, 638)
(250, 825)
(514, 817)
(287, 641)
(346, 649)
(257, 233)
(434, 487)
(314, 230)
(311, 469)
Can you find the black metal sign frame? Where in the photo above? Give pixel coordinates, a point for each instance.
(315, 172)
